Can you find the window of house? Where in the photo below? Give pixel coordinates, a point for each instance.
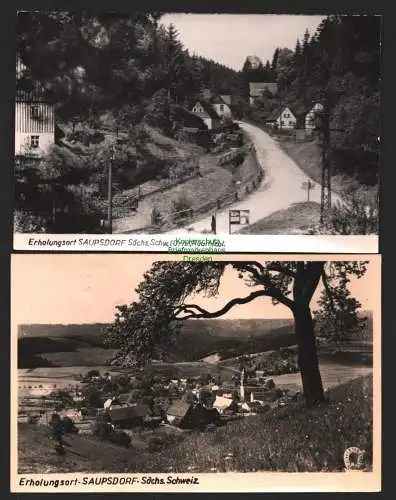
(34, 141)
(35, 112)
(221, 107)
(286, 115)
(290, 122)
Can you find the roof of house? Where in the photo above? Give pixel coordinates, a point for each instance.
(187, 118)
(222, 402)
(257, 88)
(118, 413)
(217, 99)
(178, 409)
(276, 113)
(227, 98)
(208, 110)
(31, 96)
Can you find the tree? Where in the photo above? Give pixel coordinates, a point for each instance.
(143, 328)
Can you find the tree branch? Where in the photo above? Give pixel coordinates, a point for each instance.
(195, 311)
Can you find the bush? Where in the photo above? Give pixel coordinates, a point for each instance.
(120, 438)
(68, 426)
(234, 158)
(33, 419)
(181, 208)
(101, 427)
(93, 397)
(26, 222)
(156, 217)
(357, 214)
(156, 443)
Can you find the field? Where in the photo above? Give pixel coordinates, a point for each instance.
(291, 439)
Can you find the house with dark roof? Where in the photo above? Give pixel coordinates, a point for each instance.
(207, 113)
(34, 118)
(129, 415)
(258, 89)
(192, 416)
(221, 107)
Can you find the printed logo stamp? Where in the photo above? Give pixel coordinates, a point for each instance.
(353, 458)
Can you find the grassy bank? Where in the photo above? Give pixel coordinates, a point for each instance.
(291, 439)
(296, 219)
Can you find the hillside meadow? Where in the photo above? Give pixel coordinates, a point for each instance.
(289, 439)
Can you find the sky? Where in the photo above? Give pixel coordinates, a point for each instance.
(229, 38)
(83, 288)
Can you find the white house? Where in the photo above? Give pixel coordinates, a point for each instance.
(221, 107)
(34, 120)
(207, 114)
(282, 118)
(311, 115)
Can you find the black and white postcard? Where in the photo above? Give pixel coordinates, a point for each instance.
(263, 130)
(246, 373)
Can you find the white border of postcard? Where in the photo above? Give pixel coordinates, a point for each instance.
(347, 481)
(184, 242)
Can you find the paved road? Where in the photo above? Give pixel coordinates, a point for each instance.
(280, 188)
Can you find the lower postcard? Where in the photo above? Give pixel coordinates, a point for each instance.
(226, 373)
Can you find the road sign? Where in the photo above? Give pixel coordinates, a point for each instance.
(308, 185)
(238, 218)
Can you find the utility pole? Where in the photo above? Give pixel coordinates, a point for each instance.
(325, 198)
(110, 193)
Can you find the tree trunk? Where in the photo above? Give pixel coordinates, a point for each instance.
(307, 356)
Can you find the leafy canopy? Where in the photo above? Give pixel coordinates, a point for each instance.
(145, 329)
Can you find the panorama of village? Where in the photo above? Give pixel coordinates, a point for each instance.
(173, 383)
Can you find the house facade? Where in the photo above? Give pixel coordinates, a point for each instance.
(283, 119)
(257, 89)
(310, 117)
(34, 124)
(221, 107)
(207, 114)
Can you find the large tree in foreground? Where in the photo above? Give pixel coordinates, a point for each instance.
(146, 328)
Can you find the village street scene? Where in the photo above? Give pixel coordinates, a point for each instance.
(198, 383)
(135, 123)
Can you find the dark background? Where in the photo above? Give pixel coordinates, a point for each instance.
(387, 175)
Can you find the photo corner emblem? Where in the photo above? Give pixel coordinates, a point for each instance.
(353, 458)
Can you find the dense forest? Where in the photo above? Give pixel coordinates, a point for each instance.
(338, 65)
(91, 64)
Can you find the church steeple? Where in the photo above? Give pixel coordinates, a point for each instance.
(242, 388)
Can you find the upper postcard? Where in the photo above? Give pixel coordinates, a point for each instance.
(197, 132)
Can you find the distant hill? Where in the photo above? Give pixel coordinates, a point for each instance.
(82, 344)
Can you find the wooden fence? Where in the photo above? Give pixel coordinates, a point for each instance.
(187, 216)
